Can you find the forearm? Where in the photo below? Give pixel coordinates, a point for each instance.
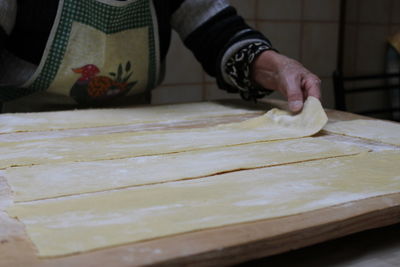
(213, 31)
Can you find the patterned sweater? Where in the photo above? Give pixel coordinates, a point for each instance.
(211, 29)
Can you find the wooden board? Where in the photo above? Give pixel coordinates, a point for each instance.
(214, 247)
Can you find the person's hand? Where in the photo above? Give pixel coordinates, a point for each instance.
(277, 72)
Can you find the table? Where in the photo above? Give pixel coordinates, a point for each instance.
(376, 247)
(220, 246)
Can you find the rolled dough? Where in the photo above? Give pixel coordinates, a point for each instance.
(58, 120)
(377, 130)
(63, 179)
(274, 125)
(81, 223)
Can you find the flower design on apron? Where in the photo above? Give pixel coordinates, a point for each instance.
(92, 87)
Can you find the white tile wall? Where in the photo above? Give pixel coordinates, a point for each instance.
(371, 48)
(319, 47)
(177, 94)
(182, 65)
(279, 9)
(214, 93)
(283, 35)
(246, 8)
(321, 10)
(395, 11)
(327, 92)
(373, 11)
(352, 11)
(350, 50)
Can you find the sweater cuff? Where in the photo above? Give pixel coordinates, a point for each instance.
(236, 70)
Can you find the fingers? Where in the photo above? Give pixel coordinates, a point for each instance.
(294, 93)
(295, 99)
(298, 88)
(311, 86)
(277, 72)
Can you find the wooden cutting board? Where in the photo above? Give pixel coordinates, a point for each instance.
(215, 247)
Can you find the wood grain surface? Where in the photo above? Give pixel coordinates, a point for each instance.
(214, 247)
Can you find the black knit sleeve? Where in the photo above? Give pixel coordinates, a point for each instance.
(219, 34)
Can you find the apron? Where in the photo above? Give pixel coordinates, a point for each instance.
(98, 51)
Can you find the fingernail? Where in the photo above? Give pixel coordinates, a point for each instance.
(295, 105)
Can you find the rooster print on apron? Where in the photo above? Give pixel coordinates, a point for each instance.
(100, 50)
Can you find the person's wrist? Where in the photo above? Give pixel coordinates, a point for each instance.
(267, 60)
(238, 69)
(263, 68)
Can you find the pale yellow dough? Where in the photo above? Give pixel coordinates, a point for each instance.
(382, 131)
(81, 223)
(274, 125)
(22, 122)
(71, 178)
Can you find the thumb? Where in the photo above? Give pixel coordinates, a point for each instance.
(294, 95)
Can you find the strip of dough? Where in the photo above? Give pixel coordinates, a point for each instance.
(377, 130)
(81, 223)
(274, 125)
(58, 120)
(63, 179)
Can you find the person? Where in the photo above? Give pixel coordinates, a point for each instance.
(63, 54)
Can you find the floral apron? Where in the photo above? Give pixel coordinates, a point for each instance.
(98, 51)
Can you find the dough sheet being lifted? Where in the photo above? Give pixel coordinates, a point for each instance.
(274, 125)
(82, 223)
(22, 122)
(71, 178)
(377, 130)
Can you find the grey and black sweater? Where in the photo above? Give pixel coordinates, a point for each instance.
(211, 29)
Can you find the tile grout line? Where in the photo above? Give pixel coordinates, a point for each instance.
(297, 21)
(301, 40)
(206, 83)
(326, 22)
(256, 18)
(357, 36)
(390, 20)
(354, 45)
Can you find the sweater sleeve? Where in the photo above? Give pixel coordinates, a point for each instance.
(215, 33)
